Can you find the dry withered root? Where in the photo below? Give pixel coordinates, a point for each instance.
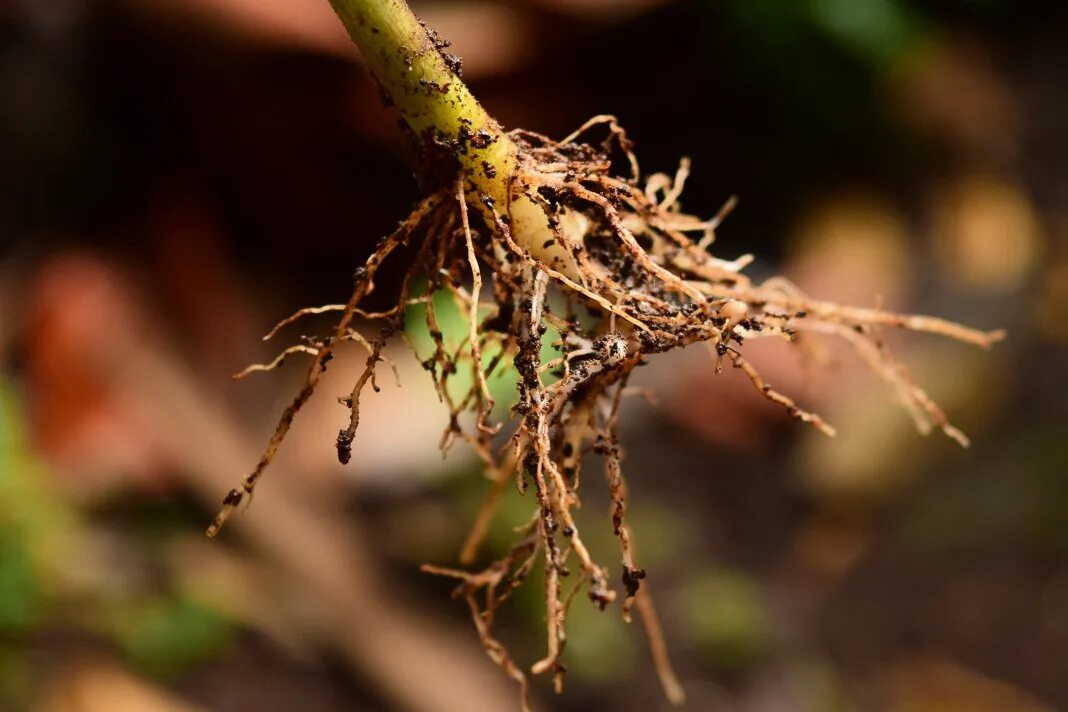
(632, 277)
(566, 235)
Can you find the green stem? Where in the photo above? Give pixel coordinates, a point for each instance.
(435, 103)
(441, 111)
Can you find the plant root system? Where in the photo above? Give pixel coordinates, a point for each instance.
(621, 274)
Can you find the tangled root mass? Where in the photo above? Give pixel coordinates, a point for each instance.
(620, 274)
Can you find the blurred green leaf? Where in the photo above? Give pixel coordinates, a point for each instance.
(877, 31)
(454, 329)
(28, 515)
(20, 596)
(600, 646)
(726, 616)
(165, 636)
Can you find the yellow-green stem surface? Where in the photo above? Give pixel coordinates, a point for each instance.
(439, 107)
(433, 100)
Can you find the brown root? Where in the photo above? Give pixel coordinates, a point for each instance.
(624, 252)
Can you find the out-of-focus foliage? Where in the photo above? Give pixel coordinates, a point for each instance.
(728, 618)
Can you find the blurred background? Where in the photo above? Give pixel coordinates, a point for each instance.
(176, 175)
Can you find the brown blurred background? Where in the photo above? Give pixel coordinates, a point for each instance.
(175, 175)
